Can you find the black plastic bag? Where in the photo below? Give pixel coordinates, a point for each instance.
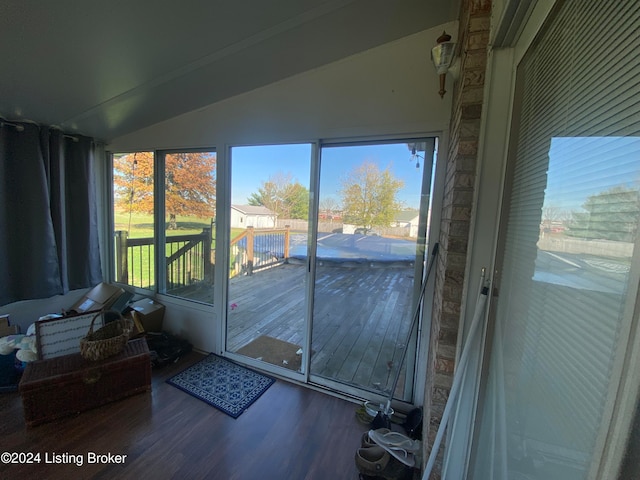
(166, 348)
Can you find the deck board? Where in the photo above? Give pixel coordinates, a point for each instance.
(361, 317)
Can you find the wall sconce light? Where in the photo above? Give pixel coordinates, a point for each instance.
(442, 58)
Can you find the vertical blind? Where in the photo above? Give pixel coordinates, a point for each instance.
(571, 218)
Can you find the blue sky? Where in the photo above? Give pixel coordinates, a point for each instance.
(255, 164)
(584, 166)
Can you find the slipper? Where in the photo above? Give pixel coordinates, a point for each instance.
(385, 437)
(397, 444)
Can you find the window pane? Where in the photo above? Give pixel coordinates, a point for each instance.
(190, 212)
(133, 210)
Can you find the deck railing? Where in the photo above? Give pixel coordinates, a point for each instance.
(188, 259)
(255, 249)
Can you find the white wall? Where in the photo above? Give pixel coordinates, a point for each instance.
(389, 90)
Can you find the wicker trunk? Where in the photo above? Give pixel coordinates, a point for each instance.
(70, 384)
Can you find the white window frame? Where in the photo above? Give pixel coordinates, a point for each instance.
(159, 221)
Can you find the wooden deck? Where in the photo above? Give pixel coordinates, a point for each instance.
(361, 318)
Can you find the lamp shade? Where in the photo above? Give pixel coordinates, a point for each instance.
(442, 56)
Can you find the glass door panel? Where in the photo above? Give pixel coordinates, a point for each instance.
(567, 258)
(369, 261)
(266, 315)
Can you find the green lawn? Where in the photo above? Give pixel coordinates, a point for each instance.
(140, 225)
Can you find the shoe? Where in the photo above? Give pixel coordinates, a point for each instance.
(400, 446)
(366, 440)
(413, 423)
(376, 462)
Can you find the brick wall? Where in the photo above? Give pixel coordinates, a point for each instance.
(456, 213)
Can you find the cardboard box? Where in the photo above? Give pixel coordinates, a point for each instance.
(150, 313)
(100, 297)
(5, 328)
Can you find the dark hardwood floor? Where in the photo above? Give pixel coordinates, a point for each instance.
(289, 433)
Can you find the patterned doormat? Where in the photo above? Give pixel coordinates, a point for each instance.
(223, 384)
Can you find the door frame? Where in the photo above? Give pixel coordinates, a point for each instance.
(434, 203)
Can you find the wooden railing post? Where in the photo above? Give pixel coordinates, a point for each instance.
(250, 247)
(206, 253)
(122, 261)
(287, 236)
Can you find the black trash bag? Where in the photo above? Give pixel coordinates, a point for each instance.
(166, 348)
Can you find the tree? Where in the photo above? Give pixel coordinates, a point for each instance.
(610, 215)
(133, 182)
(329, 206)
(369, 196)
(190, 184)
(282, 195)
(553, 217)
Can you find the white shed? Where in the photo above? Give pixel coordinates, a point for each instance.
(408, 219)
(243, 216)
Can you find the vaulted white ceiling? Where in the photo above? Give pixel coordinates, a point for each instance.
(107, 68)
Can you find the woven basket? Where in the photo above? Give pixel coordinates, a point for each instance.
(108, 340)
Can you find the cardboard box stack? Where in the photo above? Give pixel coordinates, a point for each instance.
(148, 314)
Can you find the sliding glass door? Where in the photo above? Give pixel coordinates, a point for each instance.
(569, 258)
(370, 252)
(267, 281)
(329, 297)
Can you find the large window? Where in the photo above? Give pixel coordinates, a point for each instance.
(165, 237)
(568, 266)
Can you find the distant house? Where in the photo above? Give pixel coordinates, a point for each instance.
(243, 216)
(408, 219)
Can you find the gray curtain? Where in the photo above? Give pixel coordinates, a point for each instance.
(48, 219)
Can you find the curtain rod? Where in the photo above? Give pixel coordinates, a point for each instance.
(17, 126)
(20, 128)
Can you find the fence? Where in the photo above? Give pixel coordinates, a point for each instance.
(338, 226)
